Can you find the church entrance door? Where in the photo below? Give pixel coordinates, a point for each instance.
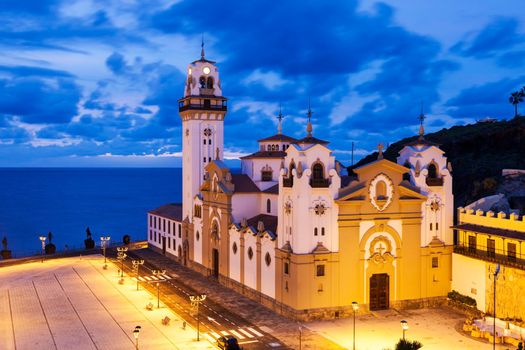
(379, 288)
(164, 245)
(215, 263)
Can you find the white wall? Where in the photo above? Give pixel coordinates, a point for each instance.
(250, 266)
(235, 258)
(468, 278)
(268, 271)
(245, 205)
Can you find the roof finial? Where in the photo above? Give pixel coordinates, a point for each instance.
(309, 125)
(380, 151)
(280, 118)
(421, 120)
(202, 47)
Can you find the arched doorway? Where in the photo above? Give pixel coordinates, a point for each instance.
(379, 291)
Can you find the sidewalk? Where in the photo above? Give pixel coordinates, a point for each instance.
(73, 303)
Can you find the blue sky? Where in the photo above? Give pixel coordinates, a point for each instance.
(96, 82)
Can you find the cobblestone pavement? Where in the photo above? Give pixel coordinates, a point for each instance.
(286, 330)
(75, 304)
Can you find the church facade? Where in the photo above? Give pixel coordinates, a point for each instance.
(293, 230)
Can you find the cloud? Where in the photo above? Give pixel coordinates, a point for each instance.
(485, 100)
(39, 100)
(499, 35)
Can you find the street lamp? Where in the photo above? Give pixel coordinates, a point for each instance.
(103, 244)
(121, 255)
(158, 273)
(136, 333)
(495, 277)
(404, 325)
(43, 240)
(196, 300)
(136, 265)
(355, 307)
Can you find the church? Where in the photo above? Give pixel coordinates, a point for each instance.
(293, 230)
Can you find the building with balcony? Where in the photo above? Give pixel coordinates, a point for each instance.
(485, 238)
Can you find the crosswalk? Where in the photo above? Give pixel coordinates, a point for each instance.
(153, 278)
(242, 334)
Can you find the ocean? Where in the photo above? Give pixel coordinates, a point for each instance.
(110, 201)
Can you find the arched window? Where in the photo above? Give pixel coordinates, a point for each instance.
(381, 190)
(202, 82)
(268, 206)
(268, 259)
(209, 83)
(215, 230)
(318, 171)
(284, 147)
(315, 231)
(432, 171)
(322, 231)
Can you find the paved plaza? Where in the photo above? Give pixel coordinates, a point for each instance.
(436, 329)
(73, 303)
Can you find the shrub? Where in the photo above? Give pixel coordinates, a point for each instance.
(464, 299)
(403, 344)
(126, 239)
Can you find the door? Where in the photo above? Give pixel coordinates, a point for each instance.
(164, 245)
(215, 263)
(379, 291)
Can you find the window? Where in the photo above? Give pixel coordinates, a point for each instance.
(315, 231)
(250, 253)
(164, 225)
(437, 226)
(432, 171)
(320, 271)
(380, 190)
(150, 235)
(198, 236)
(286, 268)
(209, 159)
(268, 206)
(318, 172)
(180, 231)
(266, 175)
(430, 226)
(169, 228)
(150, 221)
(322, 231)
(209, 83)
(169, 243)
(202, 82)
(155, 235)
(491, 248)
(155, 222)
(174, 244)
(472, 244)
(267, 259)
(511, 251)
(435, 262)
(234, 248)
(204, 159)
(204, 141)
(209, 141)
(284, 147)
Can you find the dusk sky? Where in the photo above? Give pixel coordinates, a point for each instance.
(96, 82)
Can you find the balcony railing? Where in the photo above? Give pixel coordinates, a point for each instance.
(202, 106)
(434, 181)
(495, 255)
(288, 182)
(319, 183)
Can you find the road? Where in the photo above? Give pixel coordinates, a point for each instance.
(214, 320)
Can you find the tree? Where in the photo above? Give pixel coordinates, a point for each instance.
(89, 243)
(50, 248)
(5, 253)
(515, 99)
(403, 344)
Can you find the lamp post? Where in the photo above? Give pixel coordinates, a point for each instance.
(103, 244)
(158, 273)
(404, 325)
(43, 240)
(494, 277)
(121, 255)
(136, 265)
(196, 300)
(136, 333)
(355, 307)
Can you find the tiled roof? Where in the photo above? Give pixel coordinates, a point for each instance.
(266, 154)
(491, 231)
(312, 140)
(171, 211)
(273, 190)
(269, 221)
(279, 137)
(244, 184)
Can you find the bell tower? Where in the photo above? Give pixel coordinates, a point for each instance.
(202, 110)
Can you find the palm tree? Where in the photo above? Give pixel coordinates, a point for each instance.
(515, 99)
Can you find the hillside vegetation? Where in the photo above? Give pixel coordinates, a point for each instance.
(478, 152)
